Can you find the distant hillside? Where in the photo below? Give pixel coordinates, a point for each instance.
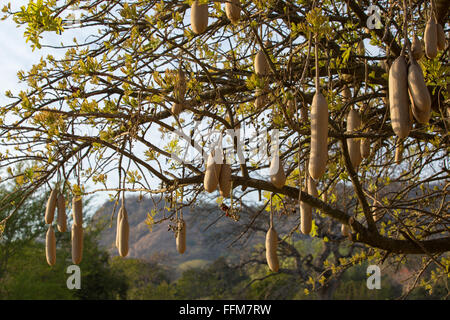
(202, 245)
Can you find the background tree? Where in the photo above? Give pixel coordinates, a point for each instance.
(22, 229)
(101, 108)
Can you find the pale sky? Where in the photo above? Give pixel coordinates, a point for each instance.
(16, 54)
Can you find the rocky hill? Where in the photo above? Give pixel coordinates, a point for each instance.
(209, 233)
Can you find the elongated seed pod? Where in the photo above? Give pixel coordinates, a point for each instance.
(448, 116)
(430, 38)
(225, 180)
(262, 97)
(354, 144)
(417, 48)
(361, 49)
(62, 218)
(345, 230)
(318, 156)
(218, 171)
(211, 179)
(233, 11)
(180, 86)
(262, 67)
(77, 244)
(303, 113)
(51, 205)
(441, 42)
(420, 116)
(365, 147)
(277, 175)
(119, 218)
(305, 217)
(312, 188)
(291, 106)
(50, 246)
(77, 210)
(346, 94)
(271, 249)
(305, 209)
(176, 108)
(398, 97)
(181, 236)
(124, 233)
(399, 152)
(417, 87)
(325, 196)
(199, 17)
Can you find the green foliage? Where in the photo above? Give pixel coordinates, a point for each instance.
(22, 228)
(353, 286)
(217, 281)
(38, 17)
(25, 273)
(144, 280)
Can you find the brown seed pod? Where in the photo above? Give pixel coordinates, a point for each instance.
(211, 179)
(277, 175)
(324, 196)
(262, 67)
(77, 243)
(303, 113)
(365, 147)
(361, 49)
(176, 108)
(346, 94)
(448, 116)
(180, 86)
(119, 217)
(225, 180)
(262, 97)
(318, 156)
(50, 246)
(51, 205)
(181, 236)
(233, 11)
(417, 88)
(345, 230)
(398, 98)
(199, 17)
(271, 249)
(354, 144)
(61, 218)
(77, 210)
(417, 48)
(430, 38)
(399, 152)
(305, 218)
(312, 188)
(124, 233)
(420, 116)
(291, 106)
(440, 34)
(306, 209)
